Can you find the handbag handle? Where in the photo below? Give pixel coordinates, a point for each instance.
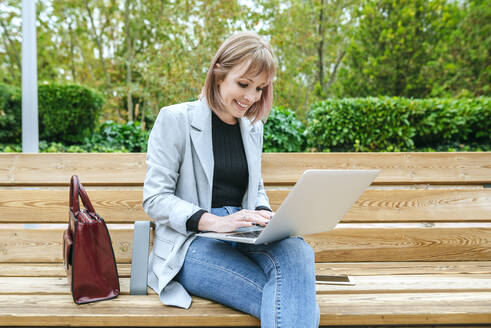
(76, 190)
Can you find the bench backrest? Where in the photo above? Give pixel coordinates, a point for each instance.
(422, 207)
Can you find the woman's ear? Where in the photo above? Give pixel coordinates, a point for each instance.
(218, 80)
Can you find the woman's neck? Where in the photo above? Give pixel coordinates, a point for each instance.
(226, 117)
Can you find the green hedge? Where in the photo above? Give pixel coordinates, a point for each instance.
(68, 113)
(398, 124)
(445, 121)
(10, 114)
(127, 137)
(357, 124)
(109, 138)
(283, 132)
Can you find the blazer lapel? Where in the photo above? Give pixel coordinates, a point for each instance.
(201, 137)
(251, 144)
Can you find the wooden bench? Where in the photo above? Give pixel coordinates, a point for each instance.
(418, 241)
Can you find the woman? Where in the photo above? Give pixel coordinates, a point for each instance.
(204, 174)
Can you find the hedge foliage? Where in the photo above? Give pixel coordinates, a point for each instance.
(444, 121)
(363, 124)
(398, 124)
(127, 137)
(110, 137)
(354, 124)
(283, 132)
(10, 114)
(67, 113)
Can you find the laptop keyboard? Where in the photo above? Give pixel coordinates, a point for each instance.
(249, 234)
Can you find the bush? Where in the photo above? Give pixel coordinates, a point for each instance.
(68, 113)
(399, 124)
(10, 148)
(10, 114)
(127, 137)
(111, 137)
(360, 124)
(447, 121)
(283, 132)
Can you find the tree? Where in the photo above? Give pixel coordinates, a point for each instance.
(10, 42)
(463, 64)
(391, 47)
(144, 55)
(309, 39)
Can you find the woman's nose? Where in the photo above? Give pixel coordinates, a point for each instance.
(251, 97)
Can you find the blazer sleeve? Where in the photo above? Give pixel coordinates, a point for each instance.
(262, 199)
(166, 148)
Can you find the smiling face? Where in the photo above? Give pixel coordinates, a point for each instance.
(239, 82)
(239, 91)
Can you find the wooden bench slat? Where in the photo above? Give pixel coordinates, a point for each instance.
(330, 268)
(48, 270)
(363, 285)
(422, 205)
(348, 242)
(278, 168)
(411, 284)
(124, 206)
(125, 310)
(402, 308)
(403, 242)
(403, 268)
(57, 168)
(336, 309)
(396, 168)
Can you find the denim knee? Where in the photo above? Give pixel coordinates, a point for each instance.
(300, 253)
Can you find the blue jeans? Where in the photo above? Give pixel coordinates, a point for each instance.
(274, 282)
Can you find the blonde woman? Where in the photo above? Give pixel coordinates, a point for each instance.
(204, 174)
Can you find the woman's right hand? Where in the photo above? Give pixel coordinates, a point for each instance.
(232, 222)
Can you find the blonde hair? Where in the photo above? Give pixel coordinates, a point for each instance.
(237, 49)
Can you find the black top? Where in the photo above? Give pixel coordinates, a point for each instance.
(230, 174)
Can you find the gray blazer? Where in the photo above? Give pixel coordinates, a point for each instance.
(179, 182)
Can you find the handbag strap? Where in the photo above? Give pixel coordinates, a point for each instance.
(73, 199)
(76, 190)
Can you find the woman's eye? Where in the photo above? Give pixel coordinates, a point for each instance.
(259, 89)
(242, 85)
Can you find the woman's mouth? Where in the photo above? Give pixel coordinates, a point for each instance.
(241, 105)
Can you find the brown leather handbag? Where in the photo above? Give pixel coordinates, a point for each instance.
(87, 251)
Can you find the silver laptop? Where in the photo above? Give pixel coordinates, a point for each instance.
(317, 202)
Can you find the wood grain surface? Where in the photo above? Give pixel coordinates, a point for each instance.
(336, 309)
(387, 205)
(418, 243)
(329, 268)
(278, 168)
(363, 285)
(348, 242)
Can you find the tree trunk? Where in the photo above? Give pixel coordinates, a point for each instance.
(12, 52)
(98, 41)
(129, 50)
(320, 49)
(72, 53)
(143, 119)
(335, 70)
